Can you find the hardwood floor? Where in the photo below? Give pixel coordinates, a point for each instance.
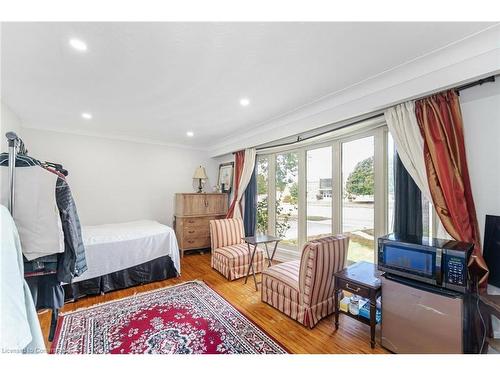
(352, 336)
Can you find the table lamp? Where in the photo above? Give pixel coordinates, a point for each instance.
(200, 175)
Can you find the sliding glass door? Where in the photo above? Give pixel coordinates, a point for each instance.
(338, 186)
(358, 197)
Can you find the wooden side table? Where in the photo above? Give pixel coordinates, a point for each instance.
(362, 279)
(254, 241)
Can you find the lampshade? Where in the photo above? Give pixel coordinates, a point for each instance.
(200, 173)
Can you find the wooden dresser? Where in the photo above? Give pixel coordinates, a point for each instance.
(193, 211)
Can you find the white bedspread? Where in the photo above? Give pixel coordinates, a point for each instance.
(114, 247)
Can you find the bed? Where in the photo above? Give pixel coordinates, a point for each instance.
(124, 255)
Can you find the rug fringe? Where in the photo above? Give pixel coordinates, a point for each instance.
(134, 296)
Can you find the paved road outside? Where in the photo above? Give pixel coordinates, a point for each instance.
(356, 217)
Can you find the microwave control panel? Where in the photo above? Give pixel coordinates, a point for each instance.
(455, 270)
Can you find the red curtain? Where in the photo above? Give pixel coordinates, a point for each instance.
(440, 120)
(239, 159)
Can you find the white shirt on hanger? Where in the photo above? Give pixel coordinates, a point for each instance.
(35, 210)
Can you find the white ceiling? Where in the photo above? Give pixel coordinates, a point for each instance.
(155, 81)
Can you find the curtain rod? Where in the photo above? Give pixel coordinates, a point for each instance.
(302, 139)
(378, 114)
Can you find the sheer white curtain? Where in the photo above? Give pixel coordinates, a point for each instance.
(402, 124)
(246, 175)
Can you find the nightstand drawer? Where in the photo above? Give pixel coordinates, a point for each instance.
(357, 289)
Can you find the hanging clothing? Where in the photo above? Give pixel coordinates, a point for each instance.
(71, 261)
(35, 210)
(47, 292)
(21, 160)
(44, 264)
(407, 202)
(440, 120)
(19, 326)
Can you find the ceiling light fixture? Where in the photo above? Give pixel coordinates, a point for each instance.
(190, 134)
(87, 116)
(244, 102)
(78, 44)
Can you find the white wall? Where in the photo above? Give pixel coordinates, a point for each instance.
(116, 181)
(9, 122)
(481, 115)
(470, 59)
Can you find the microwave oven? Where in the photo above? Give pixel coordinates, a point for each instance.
(442, 263)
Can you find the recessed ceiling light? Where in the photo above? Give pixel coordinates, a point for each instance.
(244, 102)
(87, 116)
(189, 134)
(78, 44)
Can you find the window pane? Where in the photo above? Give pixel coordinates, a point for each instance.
(262, 194)
(319, 193)
(427, 207)
(287, 195)
(358, 185)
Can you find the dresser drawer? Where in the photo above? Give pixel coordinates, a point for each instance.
(196, 231)
(353, 288)
(193, 232)
(195, 222)
(195, 243)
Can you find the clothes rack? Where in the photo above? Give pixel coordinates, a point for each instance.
(12, 140)
(16, 146)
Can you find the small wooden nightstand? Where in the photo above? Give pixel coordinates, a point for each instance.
(362, 279)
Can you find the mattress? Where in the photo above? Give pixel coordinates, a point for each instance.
(114, 247)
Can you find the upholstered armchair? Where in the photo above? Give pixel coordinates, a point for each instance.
(304, 289)
(230, 255)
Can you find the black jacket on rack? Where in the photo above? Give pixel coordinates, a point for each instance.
(72, 262)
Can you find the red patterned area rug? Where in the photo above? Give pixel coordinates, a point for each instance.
(188, 318)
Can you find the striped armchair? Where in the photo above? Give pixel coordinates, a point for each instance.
(303, 289)
(230, 255)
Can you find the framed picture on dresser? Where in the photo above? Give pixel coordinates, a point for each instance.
(225, 178)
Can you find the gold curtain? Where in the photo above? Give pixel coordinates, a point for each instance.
(440, 120)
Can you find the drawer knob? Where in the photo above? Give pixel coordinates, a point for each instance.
(191, 231)
(351, 288)
(190, 241)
